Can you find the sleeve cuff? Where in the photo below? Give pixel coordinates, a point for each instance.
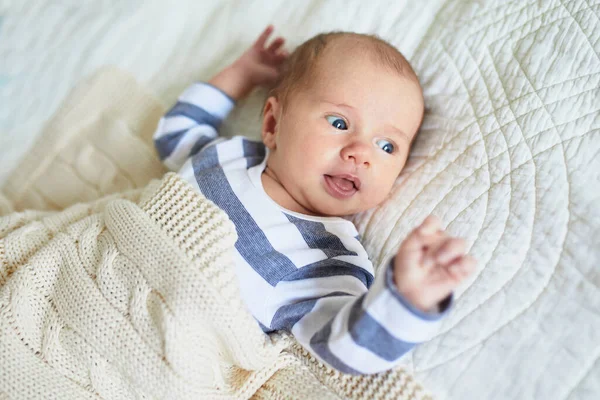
(442, 308)
(397, 315)
(219, 90)
(208, 98)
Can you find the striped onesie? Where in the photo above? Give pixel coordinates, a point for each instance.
(304, 274)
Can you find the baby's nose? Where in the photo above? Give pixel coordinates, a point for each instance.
(357, 152)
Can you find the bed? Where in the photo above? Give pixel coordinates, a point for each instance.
(508, 155)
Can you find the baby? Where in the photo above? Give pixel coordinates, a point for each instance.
(337, 126)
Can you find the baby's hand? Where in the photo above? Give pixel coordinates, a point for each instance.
(260, 64)
(430, 264)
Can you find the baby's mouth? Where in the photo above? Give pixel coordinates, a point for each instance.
(341, 187)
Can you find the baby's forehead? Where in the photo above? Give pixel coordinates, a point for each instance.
(333, 71)
(336, 58)
(356, 80)
(360, 51)
(346, 48)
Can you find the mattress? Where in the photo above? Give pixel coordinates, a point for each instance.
(508, 155)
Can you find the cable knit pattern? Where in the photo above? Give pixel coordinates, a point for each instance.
(135, 296)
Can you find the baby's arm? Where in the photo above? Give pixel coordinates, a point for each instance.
(330, 311)
(194, 120)
(191, 124)
(356, 330)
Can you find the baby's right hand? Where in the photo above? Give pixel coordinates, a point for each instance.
(430, 264)
(260, 64)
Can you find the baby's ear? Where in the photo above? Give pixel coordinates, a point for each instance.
(270, 117)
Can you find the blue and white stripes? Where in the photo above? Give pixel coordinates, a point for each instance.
(190, 124)
(307, 275)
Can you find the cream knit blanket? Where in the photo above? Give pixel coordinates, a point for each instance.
(135, 296)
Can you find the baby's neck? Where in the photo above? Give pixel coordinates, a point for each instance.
(276, 191)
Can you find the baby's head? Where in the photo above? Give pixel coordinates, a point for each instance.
(340, 121)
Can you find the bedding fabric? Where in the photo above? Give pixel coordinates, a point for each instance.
(135, 296)
(507, 157)
(46, 47)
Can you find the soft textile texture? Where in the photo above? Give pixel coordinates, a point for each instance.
(508, 157)
(47, 47)
(123, 299)
(98, 142)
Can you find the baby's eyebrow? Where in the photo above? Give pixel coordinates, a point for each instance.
(400, 133)
(341, 105)
(395, 130)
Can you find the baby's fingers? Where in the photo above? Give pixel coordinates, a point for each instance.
(275, 45)
(415, 245)
(462, 267)
(262, 39)
(429, 226)
(424, 234)
(452, 248)
(280, 56)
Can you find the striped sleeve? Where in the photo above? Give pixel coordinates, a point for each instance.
(354, 329)
(191, 124)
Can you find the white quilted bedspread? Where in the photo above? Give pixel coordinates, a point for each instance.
(512, 141)
(509, 154)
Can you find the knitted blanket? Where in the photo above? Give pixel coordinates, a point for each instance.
(135, 296)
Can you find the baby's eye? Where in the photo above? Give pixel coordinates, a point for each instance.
(386, 146)
(337, 122)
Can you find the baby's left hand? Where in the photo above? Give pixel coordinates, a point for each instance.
(430, 264)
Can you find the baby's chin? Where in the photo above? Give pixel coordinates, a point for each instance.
(338, 209)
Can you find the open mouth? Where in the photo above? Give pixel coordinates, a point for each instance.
(341, 187)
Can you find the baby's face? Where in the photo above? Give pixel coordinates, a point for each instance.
(340, 144)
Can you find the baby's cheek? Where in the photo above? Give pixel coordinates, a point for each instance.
(372, 199)
(383, 193)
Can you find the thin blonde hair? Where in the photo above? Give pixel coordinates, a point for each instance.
(301, 64)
